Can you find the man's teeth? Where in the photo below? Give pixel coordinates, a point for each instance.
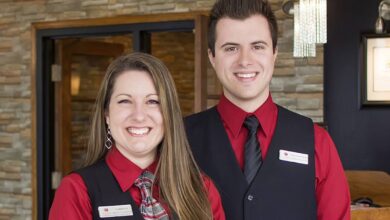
(246, 75)
(138, 131)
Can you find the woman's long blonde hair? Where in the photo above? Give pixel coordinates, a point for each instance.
(179, 178)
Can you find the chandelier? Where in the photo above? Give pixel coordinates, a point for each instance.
(309, 25)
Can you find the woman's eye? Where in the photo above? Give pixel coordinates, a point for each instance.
(123, 101)
(153, 101)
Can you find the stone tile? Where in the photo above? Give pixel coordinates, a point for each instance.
(308, 104)
(284, 71)
(93, 3)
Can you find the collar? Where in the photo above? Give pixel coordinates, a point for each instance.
(234, 116)
(125, 171)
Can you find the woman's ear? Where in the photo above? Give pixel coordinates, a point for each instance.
(107, 117)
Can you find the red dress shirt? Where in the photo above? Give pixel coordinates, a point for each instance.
(332, 192)
(71, 201)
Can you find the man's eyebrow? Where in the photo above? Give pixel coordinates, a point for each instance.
(229, 44)
(236, 44)
(259, 42)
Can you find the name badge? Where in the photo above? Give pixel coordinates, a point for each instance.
(294, 157)
(115, 211)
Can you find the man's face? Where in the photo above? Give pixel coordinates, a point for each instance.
(244, 60)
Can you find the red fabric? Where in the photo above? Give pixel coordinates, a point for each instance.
(71, 201)
(332, 192)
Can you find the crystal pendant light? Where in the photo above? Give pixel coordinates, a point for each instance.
(301, 48)
(309, 26)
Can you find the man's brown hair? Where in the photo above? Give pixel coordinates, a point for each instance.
(240, 9)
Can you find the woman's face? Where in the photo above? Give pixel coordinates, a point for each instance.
(134, 117)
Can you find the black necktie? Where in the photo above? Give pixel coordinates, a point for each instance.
(253, 158)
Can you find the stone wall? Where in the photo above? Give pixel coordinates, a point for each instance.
(298, 83)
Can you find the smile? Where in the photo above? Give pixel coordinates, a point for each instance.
(138, 131)
(246, 75)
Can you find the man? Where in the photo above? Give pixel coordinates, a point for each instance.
(267, 162)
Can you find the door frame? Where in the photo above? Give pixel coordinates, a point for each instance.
(67, 48)
(42, 88)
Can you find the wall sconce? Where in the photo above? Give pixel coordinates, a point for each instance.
(75, 83)
(309, 25)
(383, 14)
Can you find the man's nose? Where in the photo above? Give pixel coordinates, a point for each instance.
(245, 58)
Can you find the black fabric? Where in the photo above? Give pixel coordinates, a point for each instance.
(280, 190)
(104, 190)
(252, 149)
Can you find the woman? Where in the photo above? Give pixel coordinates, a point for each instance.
(139, 164)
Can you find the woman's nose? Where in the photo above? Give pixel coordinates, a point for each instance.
(139, 112)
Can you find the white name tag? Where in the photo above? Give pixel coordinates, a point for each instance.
(294, 157)
(115, 211)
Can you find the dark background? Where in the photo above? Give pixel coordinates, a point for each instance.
(361, 134)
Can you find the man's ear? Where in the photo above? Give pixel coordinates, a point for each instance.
(211, 58)
(275, 53)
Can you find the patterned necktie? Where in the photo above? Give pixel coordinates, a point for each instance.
(150, 208)
(253, 158)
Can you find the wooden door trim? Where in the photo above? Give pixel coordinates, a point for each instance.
(95, 48)
(118, 20)
(200, 80)
(63, 117)
(33, 117)
(68, 48)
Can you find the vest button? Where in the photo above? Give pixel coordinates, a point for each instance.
(250, 197)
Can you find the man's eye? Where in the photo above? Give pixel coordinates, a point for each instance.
(259, 47)
(230, 49)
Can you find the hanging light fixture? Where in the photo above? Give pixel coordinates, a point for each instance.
(383, 14)
(301, 47)
(309, 25)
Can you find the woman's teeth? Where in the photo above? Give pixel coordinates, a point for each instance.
(138, 131)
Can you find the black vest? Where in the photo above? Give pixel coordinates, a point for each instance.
(280, 190)
(104, 190)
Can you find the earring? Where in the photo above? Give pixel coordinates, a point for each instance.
(108, 143)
